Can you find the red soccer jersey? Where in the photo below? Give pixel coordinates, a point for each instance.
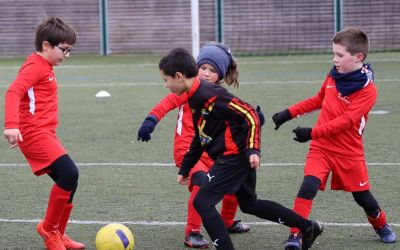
(31, 105)
(342, 119)
(184, 130)
(31, 100)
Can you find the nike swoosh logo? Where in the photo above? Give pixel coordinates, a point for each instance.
(51, 79)
(362, 184)
(330, 86)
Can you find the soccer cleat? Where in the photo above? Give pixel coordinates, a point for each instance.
(52, 239)
(196, 240)
(238, 227)
(387, 234)
(311, 234)
(70, 244)
(293, 242)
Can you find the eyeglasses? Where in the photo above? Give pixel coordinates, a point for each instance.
(65, 51)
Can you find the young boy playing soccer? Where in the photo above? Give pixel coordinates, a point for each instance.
(345, 98)
(228, 129)
(31, 110)
(216, 64)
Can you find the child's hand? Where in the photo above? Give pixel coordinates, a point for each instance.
(281, 117)
(182, 179)
(13, 135)
(254, 160)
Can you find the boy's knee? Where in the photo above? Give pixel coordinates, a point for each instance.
(309, 187)
(248, 207)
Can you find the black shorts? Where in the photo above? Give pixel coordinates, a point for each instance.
(233, 175)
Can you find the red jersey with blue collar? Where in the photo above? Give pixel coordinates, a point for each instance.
(342, 120)
(31, 102)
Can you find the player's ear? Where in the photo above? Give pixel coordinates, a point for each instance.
(45, 46)
(179, 76)
(360, 57)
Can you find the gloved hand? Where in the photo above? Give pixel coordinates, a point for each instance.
(147, 128)
(302, 134)
(281, 117)
(260, 115)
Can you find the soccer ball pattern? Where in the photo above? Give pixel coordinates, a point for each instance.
(114, 236)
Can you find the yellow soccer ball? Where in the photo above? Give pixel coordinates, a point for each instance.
(114, 236)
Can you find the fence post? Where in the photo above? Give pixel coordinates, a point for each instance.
(219, 20)
(338, 12)
(104, 27)
(194, 5)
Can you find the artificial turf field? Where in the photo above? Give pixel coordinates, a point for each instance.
(124, 180)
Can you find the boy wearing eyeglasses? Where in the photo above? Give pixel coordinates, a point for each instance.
(31, 110)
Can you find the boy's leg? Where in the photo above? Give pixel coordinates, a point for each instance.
(303, 202)
(65, 175)
(228, 212)
(376, 216)
(204, 203)
(193, 237)
(273, 211)
(228, 209)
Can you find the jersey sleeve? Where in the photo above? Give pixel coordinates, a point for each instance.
(28, 75)
(308, 105)
(168, 103)
(361, 104)
(250, 123)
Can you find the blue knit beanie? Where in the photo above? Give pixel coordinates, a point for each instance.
(217, 55)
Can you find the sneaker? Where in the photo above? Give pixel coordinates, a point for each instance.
(387, 234)
(196, 240)
(52, 239)
(311, 234)
(70, 244)
(294, 242)
(238, 227)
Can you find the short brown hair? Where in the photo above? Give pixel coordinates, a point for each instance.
(354, 39)
(55, 31)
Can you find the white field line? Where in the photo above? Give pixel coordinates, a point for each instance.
(177, 223)
(132, 84)
(156, 164)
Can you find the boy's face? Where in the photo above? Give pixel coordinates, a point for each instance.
(208, 73)
(57, 54)
(175, 84)
(344, 61)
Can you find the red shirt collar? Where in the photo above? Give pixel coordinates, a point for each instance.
(195, 86)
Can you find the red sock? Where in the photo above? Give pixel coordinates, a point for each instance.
(303, 208)
(65, 218)
(193, 218)
(228, 209)
(378, 222)
(58, 200)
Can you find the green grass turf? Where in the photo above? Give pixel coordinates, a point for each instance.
(104, 131)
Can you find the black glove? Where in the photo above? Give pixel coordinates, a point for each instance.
(302, 134)
(147, 128)
(260, 115)
(281, 117)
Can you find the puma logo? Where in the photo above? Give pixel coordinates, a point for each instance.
(362, 184)
(210, 177)
(215, 242)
